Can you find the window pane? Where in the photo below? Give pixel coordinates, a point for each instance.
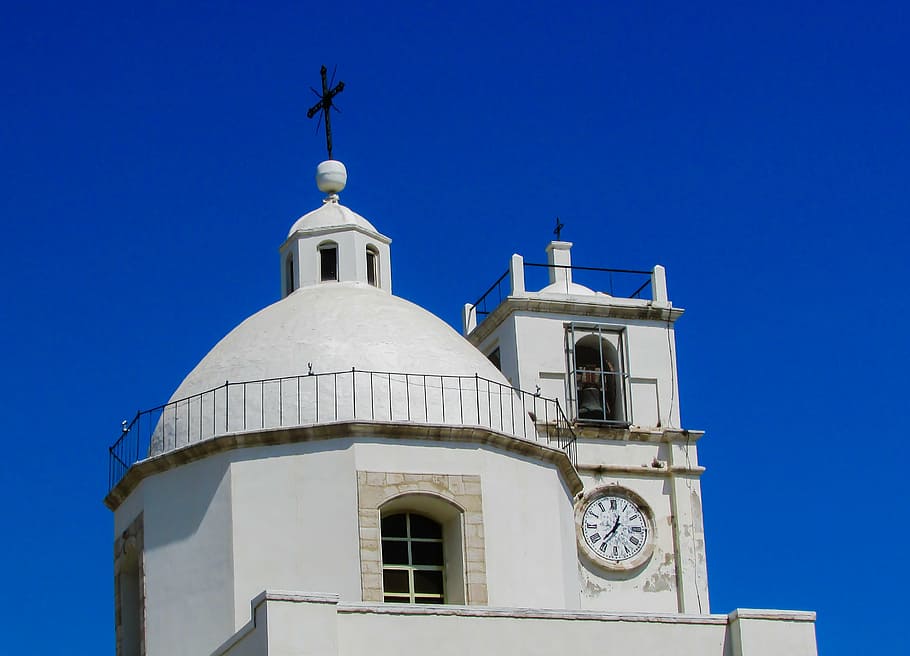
(424, 527)
(427, 581)
(371, 268)
(394, 552)
(426, 553)
(391, 599)
(328, 262)
(428, 600)
(395, 580)
(394, 527)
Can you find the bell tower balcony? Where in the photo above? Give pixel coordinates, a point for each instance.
(605, 349)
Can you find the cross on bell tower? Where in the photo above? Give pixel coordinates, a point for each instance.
(325, 105)
(559, 226)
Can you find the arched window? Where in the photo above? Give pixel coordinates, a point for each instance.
(597, 373)
(289, 274)
(431, 538)
(372, 266)
(328, 261)
(413, 559)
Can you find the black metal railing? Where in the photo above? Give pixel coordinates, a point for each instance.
(340, 396)
(493, 296)
(623, 283)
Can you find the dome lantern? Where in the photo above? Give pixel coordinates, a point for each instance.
(334, 244)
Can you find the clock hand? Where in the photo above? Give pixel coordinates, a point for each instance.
(613, 530)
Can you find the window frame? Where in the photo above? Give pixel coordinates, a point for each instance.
(373, 271)
(412, 596)
(289, 278)
(574, 333)
(454, 500)
(323, 249)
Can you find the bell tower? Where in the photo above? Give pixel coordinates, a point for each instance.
(609, 359)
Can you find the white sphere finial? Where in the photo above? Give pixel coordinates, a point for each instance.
(331, 176)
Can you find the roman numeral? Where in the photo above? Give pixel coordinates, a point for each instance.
(634, 529)
(594, 526)
(595, 537)
(634, 540)
(612, 504)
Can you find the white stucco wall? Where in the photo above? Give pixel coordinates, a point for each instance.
(298, 623)
(187, 557)
(652, 588)
(221, 529)
(525, 509)
(676, 576)
(294, 520)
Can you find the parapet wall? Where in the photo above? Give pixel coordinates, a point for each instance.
(286, 624)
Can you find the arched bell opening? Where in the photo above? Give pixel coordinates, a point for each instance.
(598, 379)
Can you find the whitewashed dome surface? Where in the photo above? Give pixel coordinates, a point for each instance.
(332, 214)
(337, 326)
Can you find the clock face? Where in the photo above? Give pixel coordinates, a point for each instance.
(614, 528)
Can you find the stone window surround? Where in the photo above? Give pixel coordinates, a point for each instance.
(131, 540)
(376, 489)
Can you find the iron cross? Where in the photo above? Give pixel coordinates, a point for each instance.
(325, 105)
(559, 227)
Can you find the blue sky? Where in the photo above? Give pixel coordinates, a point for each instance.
(153, 157)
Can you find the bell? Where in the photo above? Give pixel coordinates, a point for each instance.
(590, 403)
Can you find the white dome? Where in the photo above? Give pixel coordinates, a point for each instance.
(331, 215)
(562, 288)
(336, 327)
(426, 371)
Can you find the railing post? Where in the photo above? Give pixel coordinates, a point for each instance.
(442, 397)
(517, 275)
(468, 318)
(477, 394)
(407, 396)
(659, 296)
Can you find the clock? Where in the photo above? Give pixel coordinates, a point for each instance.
(615, 528)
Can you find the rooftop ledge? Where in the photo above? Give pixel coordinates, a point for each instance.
(312, 613)
(519, 612)
(542, 452)
(627, 297)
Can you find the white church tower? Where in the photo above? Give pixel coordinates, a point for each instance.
(610, 361)
(344, 474)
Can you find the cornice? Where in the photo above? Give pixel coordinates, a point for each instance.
(341, 430)
(614, 308)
